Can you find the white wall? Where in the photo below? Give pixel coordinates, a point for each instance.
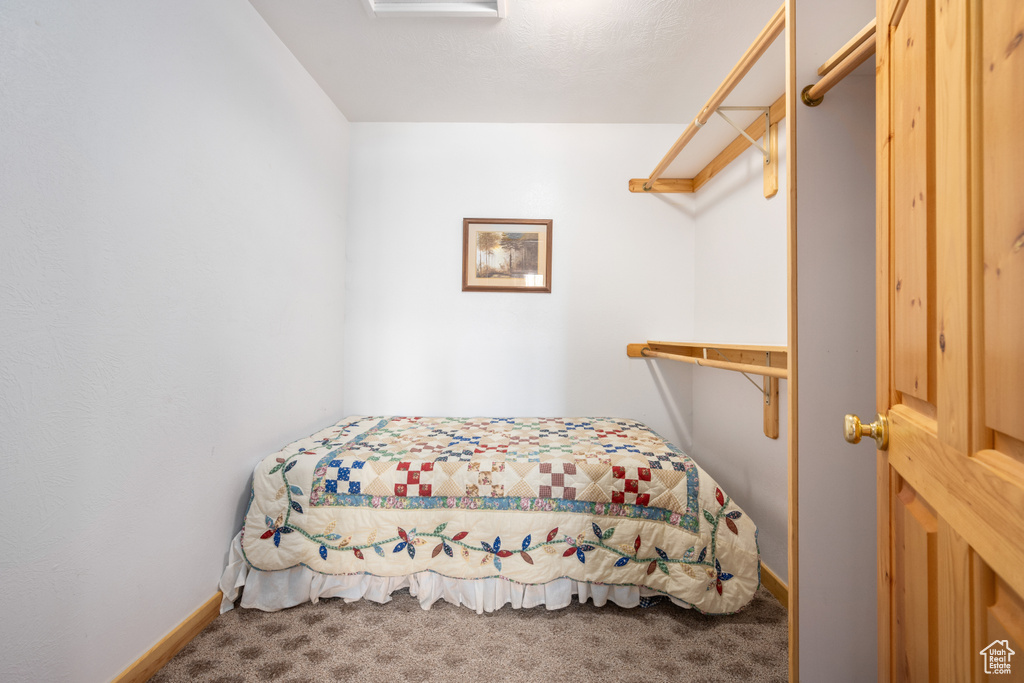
(836, 300)
(622, 272)
(741, 298)
(172, 207)
(741, 254)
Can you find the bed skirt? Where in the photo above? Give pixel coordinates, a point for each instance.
(277, 590)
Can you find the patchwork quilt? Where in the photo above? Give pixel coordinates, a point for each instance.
(528, 500)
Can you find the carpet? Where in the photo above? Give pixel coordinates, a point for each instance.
(399, 641)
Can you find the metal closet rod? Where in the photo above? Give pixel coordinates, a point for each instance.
(841, 64)
(764, 40)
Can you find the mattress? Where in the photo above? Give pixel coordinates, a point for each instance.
(524, 506)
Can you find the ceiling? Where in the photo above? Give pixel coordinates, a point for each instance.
(551, 61)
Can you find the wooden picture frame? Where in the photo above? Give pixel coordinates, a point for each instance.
(506, 255)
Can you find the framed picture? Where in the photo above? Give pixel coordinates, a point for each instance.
(506, 255)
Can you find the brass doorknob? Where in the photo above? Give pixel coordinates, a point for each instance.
(878, 430)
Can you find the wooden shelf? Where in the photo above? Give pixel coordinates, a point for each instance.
(771, 362)
(655, 183)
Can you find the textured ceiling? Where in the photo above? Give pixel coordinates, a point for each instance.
(578, 61)
(551, 61)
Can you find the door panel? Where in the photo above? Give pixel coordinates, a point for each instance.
(951, 346)
(1000, 616)
(914, 598)
(1003, 169)
(913, 176)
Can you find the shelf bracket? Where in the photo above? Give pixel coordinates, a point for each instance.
(767, 123)
(740, 358)
(769, 150)
(771, 402)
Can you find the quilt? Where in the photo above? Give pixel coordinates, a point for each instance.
(528, 500)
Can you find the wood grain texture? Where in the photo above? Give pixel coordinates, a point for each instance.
(914, 596)
(161, 653)
(981, 437)
(883, 354)
(952, 234)
(771, 407)
(941, 441)
(845, 51)
(998, 614)
(953, 582)
(1002, 76)
(987, 510)
(771, 168)
(663, 185)
(861, 54)
(913, 196)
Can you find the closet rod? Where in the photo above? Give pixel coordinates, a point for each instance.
(767, 36)
(841, 65)
(780, 373)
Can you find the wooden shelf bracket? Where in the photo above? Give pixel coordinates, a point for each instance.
(771, 362)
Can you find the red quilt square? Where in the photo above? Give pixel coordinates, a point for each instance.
(645, 473)
(424, 489)
(632, 486)
(414, 477)
(643, 499)
(618, 497)
(429, 467)
(403, 466)
(618, 472)
(399, 489)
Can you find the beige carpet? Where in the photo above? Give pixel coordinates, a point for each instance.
(365, 641)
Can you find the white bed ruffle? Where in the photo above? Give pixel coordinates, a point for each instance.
(277, 590)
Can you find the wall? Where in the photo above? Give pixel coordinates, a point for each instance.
(622, 272)
(836, 300)
(172, 213)
(741, 298)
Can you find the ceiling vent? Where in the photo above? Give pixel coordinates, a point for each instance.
(486, 9)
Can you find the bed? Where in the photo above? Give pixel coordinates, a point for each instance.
(486, 512)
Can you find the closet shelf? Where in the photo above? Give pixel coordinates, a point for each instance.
(766, 125)
(771, 362)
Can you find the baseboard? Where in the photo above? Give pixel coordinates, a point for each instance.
(775, 585)
(171, 644)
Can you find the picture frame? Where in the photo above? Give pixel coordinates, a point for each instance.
(506, 255)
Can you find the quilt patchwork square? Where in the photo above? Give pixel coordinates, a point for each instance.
(627, 482)
(485, 478)
(415, 481)
(342, 477)
(558, 480)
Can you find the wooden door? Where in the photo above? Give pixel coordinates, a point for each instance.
(950, 326)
